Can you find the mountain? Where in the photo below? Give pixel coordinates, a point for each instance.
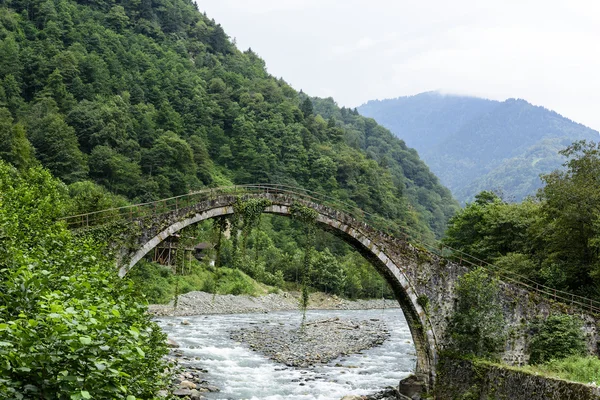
(475, 144)
(151, 99)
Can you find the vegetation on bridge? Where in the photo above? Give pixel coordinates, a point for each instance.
(477, 327)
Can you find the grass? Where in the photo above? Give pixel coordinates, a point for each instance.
(159, 285)
(581, 369)
(575, 368)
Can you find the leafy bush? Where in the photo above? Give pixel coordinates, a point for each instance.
(556, 337)
(477, 325)
(69, 327)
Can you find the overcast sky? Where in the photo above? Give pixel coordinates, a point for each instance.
(546, 52)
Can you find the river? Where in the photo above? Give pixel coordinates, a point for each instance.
(244, 374)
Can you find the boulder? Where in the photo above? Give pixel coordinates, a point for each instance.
(187, 385)
(412, 387)
(182, 392)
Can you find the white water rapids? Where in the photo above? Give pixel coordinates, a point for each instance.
(241, 373)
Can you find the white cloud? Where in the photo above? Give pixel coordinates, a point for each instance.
(545, 51)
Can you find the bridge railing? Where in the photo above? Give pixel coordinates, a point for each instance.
(377, 222)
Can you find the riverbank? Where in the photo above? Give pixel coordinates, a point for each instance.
(202, 303)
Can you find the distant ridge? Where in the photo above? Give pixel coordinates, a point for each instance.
(475, 144)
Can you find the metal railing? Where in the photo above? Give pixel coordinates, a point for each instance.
(376, 222)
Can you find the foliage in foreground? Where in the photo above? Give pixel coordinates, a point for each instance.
(69, 327)
(556, 337)
(477, 325)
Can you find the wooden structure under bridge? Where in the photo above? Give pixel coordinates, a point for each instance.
(166, 253)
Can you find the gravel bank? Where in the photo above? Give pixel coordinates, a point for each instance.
(199, 303)
(317, 341)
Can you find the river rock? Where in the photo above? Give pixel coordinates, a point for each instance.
(172, 344)
(187, 385)
(182, 392)
(210, 388)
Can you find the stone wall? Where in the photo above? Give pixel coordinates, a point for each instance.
(474, 380)
(435, 279)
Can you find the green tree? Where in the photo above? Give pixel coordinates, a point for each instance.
(307, 107)
(571, 212)
(477, 326)
(556, 337)
(115, 171)
(16, 149)
(55, 142)
(86, 197)
(327, 273)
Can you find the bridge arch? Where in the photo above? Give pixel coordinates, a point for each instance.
(358, 235)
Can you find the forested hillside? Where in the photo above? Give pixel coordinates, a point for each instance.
(553, 239)
(151, 99)
(475, 144)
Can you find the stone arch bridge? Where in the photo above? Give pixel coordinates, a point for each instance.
(422, 279)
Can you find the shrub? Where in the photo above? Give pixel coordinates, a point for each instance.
(558, 336)
(477, 325)
(69, 327)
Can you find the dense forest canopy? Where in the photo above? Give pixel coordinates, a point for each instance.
(151, 99)
(475, 144)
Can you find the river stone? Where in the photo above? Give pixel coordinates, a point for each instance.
(210, 388)
(182, 392)
(411, 387)
(187, 385)
(172, 344)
